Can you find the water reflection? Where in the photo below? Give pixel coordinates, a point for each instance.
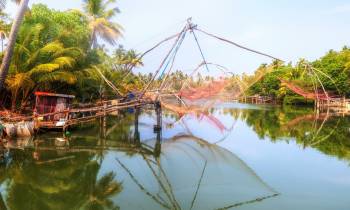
(44, 177)
(187, 173)
(326, 132)
(121, 163)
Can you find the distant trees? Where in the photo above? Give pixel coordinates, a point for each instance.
(337, 66)
(332, 70)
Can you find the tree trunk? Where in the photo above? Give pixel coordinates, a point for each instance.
(5, 65)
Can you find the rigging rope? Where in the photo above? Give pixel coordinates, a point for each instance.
(200, 49)
(164, 60)
(173, 61)
(238, 45)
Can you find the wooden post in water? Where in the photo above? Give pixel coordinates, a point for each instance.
(158, 109)
(104, 120)
(158, 128)
(136, 125)
(158, 146)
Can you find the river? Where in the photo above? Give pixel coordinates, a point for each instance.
(236, 156)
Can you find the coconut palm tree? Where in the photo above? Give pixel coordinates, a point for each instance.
(126, 59)
(5, 65)
(99, 16)
(36, 66)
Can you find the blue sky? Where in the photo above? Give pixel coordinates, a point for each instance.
(286, 29)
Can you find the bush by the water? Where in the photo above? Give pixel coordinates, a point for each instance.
(296, 100)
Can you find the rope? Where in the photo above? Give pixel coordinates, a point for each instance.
(200, 49)
(149, 50)
(173, 61)
(164, 60)
(238, 45)
(173, 56)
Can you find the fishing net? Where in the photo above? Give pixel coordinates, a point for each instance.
(304, 93)
(207, 90)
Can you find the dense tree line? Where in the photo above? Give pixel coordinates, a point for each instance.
(332, 71)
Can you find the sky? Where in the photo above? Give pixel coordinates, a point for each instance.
(285, 29)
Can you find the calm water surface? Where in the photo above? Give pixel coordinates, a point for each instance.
(235, 157)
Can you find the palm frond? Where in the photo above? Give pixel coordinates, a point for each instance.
(21, 49)
(19, 80)
(58, 76)
(111, 13)
(107, 31)
(64, 62)
(34, 34)
(73, 52)
(52, 47)
(44, 68)
(93, 7)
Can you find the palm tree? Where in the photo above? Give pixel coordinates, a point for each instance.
(126, 59)
(99, 16)
(38, 66)
(5, 65)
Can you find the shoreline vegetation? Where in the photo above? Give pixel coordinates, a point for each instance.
(59, 52)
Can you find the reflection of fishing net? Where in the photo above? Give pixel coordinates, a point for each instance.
(216, 178)
(218, 125)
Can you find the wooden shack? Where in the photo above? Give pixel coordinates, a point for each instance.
(46, 103)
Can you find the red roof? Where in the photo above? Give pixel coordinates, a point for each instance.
(53, 95)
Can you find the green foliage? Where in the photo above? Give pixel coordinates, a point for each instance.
(328, 134)
(332, 71)
(296, 100)
(52, 47)
(337, 66)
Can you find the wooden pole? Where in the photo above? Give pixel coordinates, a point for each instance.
(136, 125)
(158, 109)
(158, 146)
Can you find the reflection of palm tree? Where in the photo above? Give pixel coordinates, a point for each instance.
(2, 179)
(64, 184)
(100, 190)
(2, 203)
